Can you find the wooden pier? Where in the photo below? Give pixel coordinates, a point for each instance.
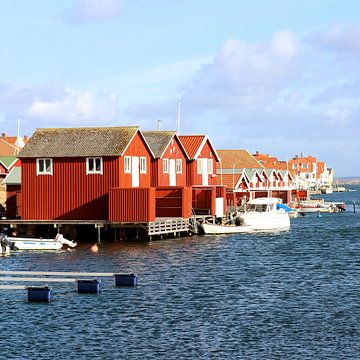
(100, 229)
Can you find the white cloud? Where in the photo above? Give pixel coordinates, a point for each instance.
(75, 106)
(338, 39)
(84, 11)
(55, 105)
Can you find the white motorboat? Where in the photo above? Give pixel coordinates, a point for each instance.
(40, 244)
(225, 229)
(266, 214)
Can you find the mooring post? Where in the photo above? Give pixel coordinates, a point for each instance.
(354, 207)
(99, 233)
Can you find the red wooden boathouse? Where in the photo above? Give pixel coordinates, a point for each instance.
(168, 168)
(68, 173)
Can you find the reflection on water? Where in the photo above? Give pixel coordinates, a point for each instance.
(288, 295)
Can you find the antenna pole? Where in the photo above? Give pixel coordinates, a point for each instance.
(159, 124)
(178, 117)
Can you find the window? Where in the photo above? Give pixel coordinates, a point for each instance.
(294, 166)
(44, 167)
(210, 166)
(199, 166)
(178, 166)
(142, 165)
(94, 166)
(304, 166)
(165, 166)
(127, 164)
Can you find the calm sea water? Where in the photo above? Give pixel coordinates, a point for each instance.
(291, 295)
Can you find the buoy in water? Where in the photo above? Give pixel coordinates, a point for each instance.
(94, 248)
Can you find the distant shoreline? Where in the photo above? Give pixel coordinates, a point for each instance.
(347, 181)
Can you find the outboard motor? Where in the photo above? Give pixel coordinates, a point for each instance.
(5, 244)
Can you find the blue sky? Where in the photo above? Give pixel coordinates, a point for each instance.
(281, 77)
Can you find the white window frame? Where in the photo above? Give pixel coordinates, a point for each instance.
(179, 166)
(94, 171)
(44, 172)
(304, 166)
(165, 166)
(210, 166)
(199, 165)
(294, 166)
(127, 164)
(142, 165)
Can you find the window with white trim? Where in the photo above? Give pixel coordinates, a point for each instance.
(210, 166)
(127, 164)
(304, 166)
(294, 166)
(94, 165)
(199, 163)
(142, 165)
(178, 166)
(44, 167)
(165, 166)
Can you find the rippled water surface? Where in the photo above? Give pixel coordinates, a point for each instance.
(291, 295)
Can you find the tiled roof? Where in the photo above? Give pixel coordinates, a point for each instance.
(191, 144)
(158, 141)
(238, 159)
(79, 142)
(228, 180)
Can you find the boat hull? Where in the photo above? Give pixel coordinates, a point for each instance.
(213, 229)
(35, 244)
(266, 220)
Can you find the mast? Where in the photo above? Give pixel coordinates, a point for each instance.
(178, 117)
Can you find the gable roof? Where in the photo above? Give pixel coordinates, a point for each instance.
(7, 161)
(238, 159)
(160, 140)
(193, 145)
(13, 177)
(80, 142)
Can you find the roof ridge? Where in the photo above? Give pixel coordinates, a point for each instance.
(90, 128)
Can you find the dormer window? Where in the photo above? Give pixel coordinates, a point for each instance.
(94, 166)
(44, 167)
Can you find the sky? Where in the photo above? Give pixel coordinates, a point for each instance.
(275, 76)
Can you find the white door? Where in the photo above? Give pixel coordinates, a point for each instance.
(205, 173)
(135, 171)
(172, 172)
(219, 207)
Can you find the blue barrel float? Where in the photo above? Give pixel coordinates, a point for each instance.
(40, 293)
(86, 286)
(126, 280)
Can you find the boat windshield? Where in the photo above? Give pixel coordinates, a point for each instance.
(260, 207)
(257, 207)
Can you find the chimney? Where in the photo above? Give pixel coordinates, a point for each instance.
(3, 135)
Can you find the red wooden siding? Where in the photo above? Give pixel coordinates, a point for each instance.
(137, 147)
(13, 201)
(203, 200)
(173, 202)
(195, 179)
(174, 151)
(132, 205)
(69, 193)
